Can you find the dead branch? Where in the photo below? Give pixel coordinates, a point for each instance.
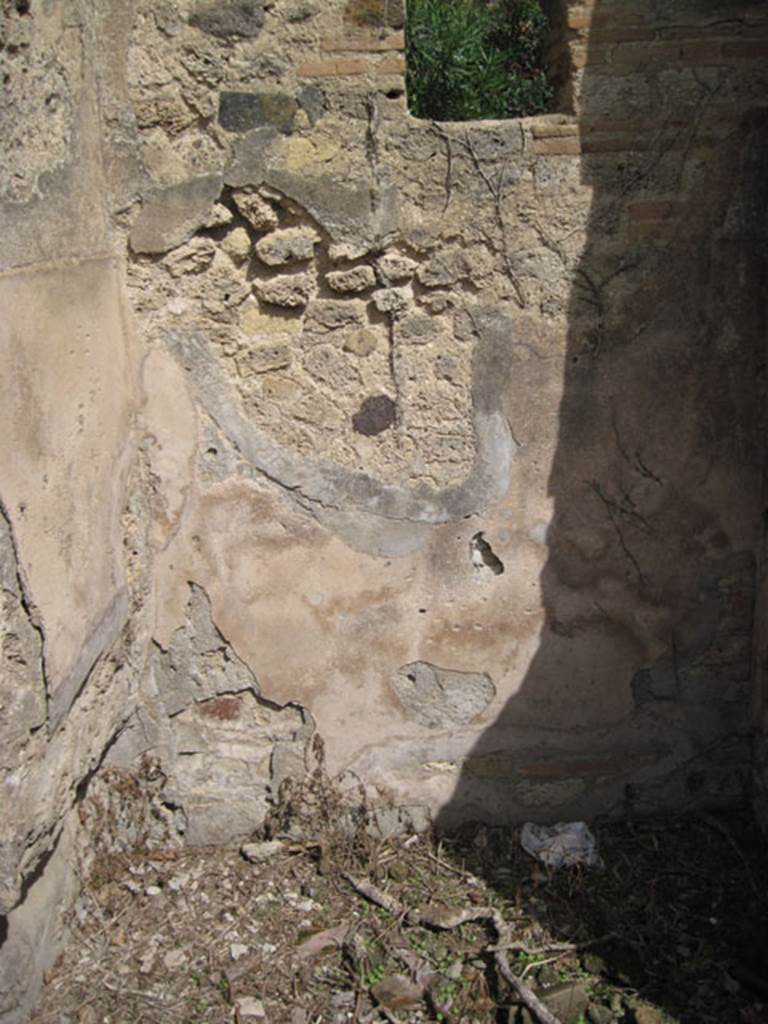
(446, 920)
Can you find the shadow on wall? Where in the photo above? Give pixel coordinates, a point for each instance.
(648, 586)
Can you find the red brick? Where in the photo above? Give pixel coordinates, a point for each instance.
(332, 66)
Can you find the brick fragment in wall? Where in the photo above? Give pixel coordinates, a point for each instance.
(439, 697)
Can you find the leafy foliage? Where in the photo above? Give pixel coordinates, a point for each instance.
(470, 59)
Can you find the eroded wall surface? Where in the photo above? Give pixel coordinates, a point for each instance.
(440, 442)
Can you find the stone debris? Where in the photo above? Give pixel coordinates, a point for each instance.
(249, 1008)
(258, 852)
(393, 300)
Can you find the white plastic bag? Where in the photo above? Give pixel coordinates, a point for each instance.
(566, 843)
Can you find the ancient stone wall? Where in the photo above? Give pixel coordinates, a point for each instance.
(441, 442)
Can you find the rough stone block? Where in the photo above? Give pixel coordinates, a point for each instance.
(357, 279)
(290, 245)
(244, 111)
(228, 17)
(291, 290)
(259, 213)
(172, 215)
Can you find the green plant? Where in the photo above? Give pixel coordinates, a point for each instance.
(469, 59)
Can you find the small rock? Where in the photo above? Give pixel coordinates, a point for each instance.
(331, 314)
(262, 359)
(219, 217)
(346, 251)
(357, 279)
(249, 1008)
(132, 887)
(152, 890)
(237, 244)
(192, 258)
(395, 267)
(392, 300)
(175, 958)
(237, 950)
(291, 290)
(567, 1002)
(289, 245)
(256, 210)
(87, 1015)
(361, 343)
(257, 852)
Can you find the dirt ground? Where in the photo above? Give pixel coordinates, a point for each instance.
(318, 922)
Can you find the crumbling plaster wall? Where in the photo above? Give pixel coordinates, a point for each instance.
(441, 440)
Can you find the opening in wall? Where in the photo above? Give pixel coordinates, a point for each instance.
(477, 59)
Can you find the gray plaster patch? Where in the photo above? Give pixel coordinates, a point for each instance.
(199, 663)
(438, 697)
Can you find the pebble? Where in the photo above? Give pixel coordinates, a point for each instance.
(237, 950)
(249, 1008)
(256, 852)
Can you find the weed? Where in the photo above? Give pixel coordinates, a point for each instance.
(469, 59)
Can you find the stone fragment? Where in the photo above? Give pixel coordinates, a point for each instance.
(447, 266)
(291, 290)
(332, 314)
(173, 214)
(249, 1008)
(192, 258)
(237, 244)
(567, 1002)
(437, 697)
(228, 17)
(289, 245)
(347, 250)
(254, 321)
(219, 217)
(244, 111)
(376, 414)
(392, 300)
(325, 363)
(175, 958)
(312, 101)
(356, 279)
(258, 852)
(263, 359)
(256, 210)
(418, 329)
(376, 13)
(361, 343)
(237, 950)
(394, 267)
